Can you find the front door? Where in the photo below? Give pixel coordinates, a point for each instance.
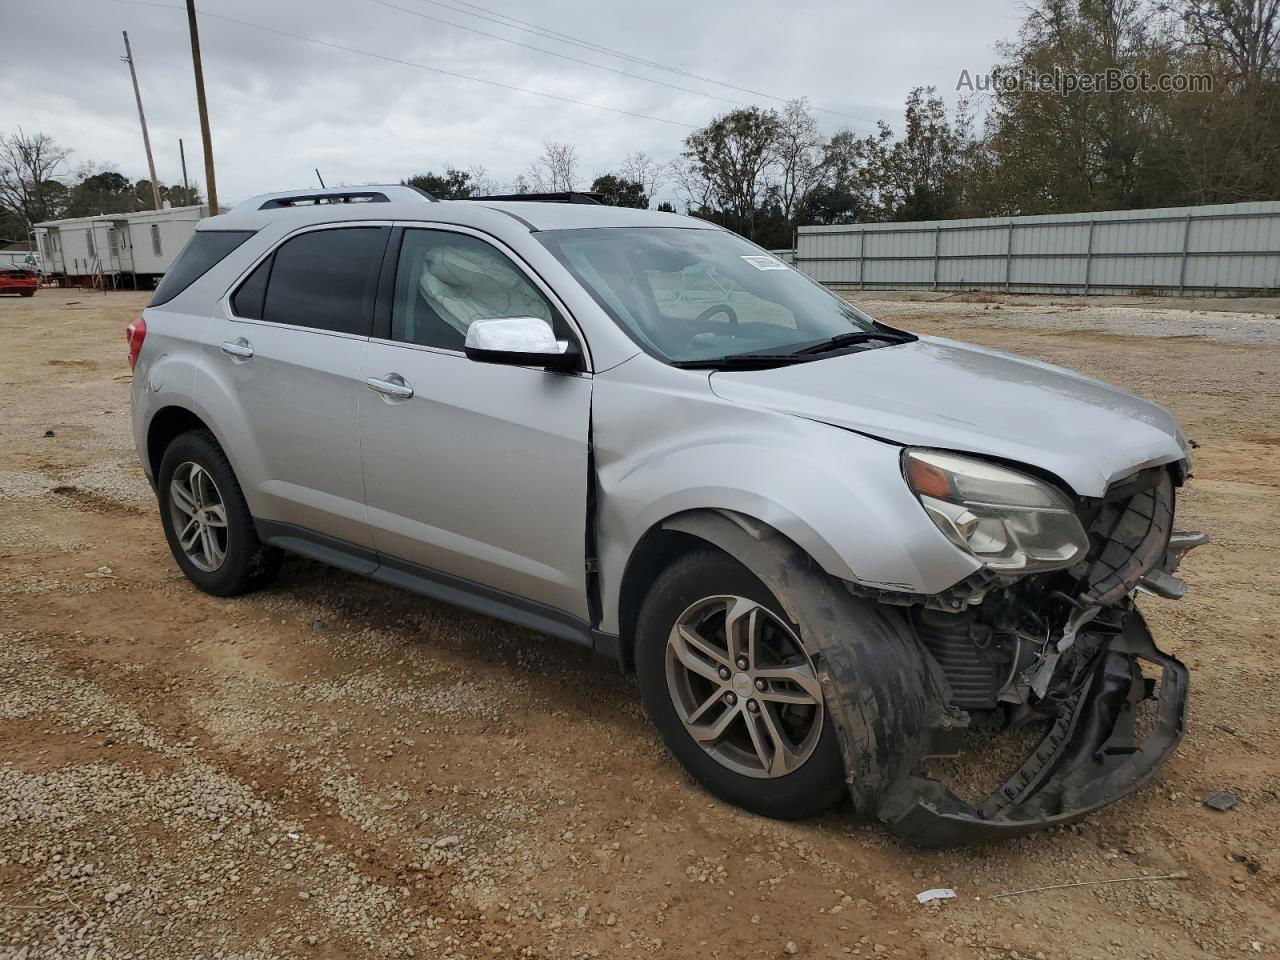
(473, 470)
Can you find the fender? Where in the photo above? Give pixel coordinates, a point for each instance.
(664, 444)
(165, 380)
(181, 379)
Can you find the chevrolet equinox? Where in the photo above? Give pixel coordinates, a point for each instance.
(833, 552)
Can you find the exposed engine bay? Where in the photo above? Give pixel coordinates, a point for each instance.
(1017, 643)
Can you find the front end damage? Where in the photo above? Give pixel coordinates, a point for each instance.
(1067, 651)
(913, 681)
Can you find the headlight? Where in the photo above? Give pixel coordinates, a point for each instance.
(1013, 523)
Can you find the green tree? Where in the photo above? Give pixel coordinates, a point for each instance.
(179, 196)
(924, 173)
(453, 184)
(105, 193)
(733, 155)
(621, 192)
(1062, 151)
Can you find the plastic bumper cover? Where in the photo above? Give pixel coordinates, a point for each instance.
(1090, 757)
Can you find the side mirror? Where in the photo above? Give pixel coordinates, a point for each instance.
(519, 342)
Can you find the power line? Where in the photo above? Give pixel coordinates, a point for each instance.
(525, 26)
(411, 63)
(553, 53)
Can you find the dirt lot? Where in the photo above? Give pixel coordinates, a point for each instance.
(333, 769)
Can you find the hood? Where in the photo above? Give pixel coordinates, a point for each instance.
(953, 396)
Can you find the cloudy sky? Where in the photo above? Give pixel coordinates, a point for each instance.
(281, 106)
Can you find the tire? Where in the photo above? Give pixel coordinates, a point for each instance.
(708, 577)
(246, 563)
(27, 293)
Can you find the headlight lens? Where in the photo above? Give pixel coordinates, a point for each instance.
(1012, 522)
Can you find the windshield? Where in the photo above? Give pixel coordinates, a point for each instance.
(689, 295)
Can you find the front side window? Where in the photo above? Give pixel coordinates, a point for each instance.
(324, 279)
(694, 294)
(445, 281)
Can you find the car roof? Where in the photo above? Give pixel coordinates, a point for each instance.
(405, 203)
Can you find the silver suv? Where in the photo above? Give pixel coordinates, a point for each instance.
(833, 552)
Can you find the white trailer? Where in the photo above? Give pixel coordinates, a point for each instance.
(123, 248)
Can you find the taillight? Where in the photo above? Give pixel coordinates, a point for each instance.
(135, 333)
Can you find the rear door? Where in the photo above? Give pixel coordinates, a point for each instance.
(473, 470)
(290, 343)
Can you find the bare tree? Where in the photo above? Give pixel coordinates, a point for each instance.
(799, 151)
(694, 187)
(641, 168)
(520, 184)
(556, 169)
(29, 169)
(1244, 33)
(481, 183)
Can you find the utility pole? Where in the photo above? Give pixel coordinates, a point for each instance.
(211, 185)
(186, 187)
(142, 118)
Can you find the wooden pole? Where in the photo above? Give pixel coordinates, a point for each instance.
(182, 154)
(142, 119)
(211, 184)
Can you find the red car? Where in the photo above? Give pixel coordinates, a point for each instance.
(20, 280)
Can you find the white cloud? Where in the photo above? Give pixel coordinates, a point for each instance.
(281, 107)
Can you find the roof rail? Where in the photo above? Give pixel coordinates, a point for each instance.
(564, 196)
(308, 198)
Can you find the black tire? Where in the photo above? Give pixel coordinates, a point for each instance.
(27, 293)
(816, 786)
(248, 563)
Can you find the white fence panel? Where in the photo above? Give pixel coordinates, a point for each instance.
(1222, 248)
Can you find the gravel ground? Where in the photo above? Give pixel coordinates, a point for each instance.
(333, 769)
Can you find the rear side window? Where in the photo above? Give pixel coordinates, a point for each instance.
(247, 301)
(324, 279)
(203, 250)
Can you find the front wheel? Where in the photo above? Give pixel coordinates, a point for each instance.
(726, 679)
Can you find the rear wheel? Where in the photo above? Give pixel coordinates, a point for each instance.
(206, 520)
(27, 293)
(726, 679)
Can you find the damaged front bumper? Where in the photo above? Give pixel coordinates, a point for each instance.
(898, 702)
(1091, 756)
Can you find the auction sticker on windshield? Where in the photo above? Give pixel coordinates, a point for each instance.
(765, 263)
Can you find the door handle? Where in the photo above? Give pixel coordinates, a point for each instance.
(392, 385)
(238, 349)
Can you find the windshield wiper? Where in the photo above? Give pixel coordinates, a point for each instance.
(849, 339)
(740, 361)
(763, 361)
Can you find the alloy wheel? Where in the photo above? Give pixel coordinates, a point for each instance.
(199, 516)
(743, 686)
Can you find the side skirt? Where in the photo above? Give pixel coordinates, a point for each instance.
(436, 584)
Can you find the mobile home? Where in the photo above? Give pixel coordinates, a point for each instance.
(125, 249)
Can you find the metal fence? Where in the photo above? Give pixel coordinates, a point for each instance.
(1224, 248)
